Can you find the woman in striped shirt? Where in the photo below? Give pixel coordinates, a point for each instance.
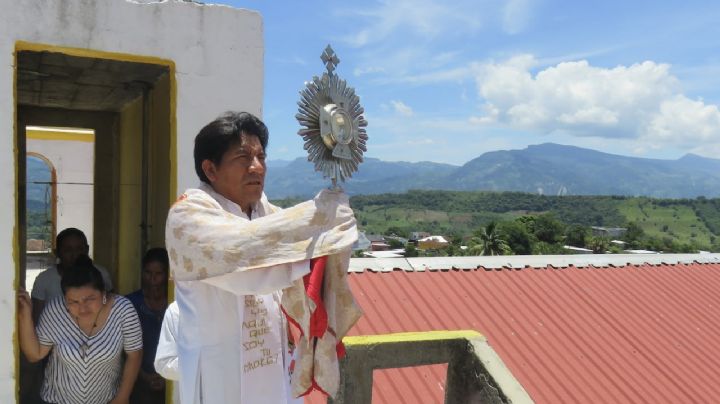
(85, 332)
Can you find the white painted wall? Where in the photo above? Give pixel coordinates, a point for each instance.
(218, 53)
(74, 165)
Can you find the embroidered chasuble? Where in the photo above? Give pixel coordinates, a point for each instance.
(234, 278)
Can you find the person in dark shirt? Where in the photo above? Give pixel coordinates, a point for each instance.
(150, 302)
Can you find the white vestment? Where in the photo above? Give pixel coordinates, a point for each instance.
(229, 270)
(166, 356)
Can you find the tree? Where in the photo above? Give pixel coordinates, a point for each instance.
(543, 248)
(517, 237)
(488, 241)
(396, 231)
(410, 250)
(634, 234)
(576, 235)
(395, 243)
(598, 244)
(549, 229)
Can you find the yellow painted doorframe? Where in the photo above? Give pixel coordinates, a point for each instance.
(21, 46)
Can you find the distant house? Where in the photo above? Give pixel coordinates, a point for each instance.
(377, 242)
(611, 232)
(399, 239)
(362, 242)
(417, 235)
(374, 238)
(433, 243)
(37, 245)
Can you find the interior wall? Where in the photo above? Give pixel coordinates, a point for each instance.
(130, 214)
(106, 185)
(73, 157)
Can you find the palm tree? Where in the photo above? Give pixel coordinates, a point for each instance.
(488, 242)
(599, 245)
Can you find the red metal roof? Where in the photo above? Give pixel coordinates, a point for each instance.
(645, 333)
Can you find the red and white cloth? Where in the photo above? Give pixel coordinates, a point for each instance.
(323, 312)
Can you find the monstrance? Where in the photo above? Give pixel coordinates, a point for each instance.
(334, 126)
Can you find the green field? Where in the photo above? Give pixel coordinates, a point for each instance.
(676, 221)
(690, 222)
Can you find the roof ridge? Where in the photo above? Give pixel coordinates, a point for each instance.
(421, 264)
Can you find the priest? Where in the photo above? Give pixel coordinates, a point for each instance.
(240, 263)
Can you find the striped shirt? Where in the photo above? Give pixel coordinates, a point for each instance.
(94, 379)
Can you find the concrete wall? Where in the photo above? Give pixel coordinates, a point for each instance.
(475, 373)
(216, 54)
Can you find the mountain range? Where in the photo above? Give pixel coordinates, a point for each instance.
(548, 169)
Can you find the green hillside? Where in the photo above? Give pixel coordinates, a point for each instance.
(663, 224)
(462, 213)
(677, 220)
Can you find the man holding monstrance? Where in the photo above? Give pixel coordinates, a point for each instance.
(244, 269)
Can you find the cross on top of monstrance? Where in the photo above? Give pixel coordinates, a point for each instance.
(330, 59)
(334, 126)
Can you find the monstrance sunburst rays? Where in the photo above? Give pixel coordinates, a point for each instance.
(334, 126)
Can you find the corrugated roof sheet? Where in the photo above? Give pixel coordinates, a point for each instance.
(594, 328)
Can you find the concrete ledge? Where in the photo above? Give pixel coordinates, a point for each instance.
(476, 374)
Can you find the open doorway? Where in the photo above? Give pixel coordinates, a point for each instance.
(59, 191)
(121, 162)
(113, 179)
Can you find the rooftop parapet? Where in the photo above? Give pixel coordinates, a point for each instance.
(475, 374)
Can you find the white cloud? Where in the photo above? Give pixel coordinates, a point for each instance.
(454, 74)
(402, 109)
(423, 18)
(641, 101)
(681, 117)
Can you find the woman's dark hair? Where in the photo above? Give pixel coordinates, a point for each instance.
(219, 135)
(157, 255)
(69, 232)
(83, 273)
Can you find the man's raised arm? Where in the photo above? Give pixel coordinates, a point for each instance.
(205, 241)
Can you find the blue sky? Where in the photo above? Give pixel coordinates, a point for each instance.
(446, 81)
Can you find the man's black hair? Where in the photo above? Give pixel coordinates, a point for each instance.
(83, 273)
(69, 232)
(157, 255)
(219, 135)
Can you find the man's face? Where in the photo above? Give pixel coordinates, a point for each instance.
(240, 176)
(71, 248)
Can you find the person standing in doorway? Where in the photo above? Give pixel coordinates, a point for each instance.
(70, 244)
(150, 302)
(93, 340)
